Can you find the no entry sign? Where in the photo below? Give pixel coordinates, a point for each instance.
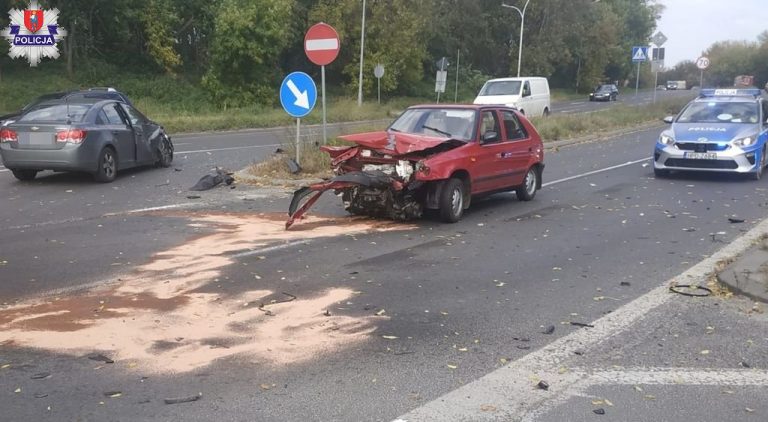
(321, 44)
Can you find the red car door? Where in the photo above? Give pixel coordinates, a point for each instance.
(491, 172)
(517, 149)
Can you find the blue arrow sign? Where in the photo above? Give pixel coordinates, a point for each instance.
(639, 54)
(298, 94)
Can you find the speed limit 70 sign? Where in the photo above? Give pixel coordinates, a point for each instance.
(702, 63)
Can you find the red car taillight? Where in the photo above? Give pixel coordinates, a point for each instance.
(74, 136)
(7, 135)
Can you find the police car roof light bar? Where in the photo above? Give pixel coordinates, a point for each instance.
(731, 92)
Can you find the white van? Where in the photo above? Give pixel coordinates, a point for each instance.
(530, 95)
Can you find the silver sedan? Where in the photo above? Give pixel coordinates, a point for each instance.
(96, 136)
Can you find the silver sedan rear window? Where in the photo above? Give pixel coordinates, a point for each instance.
(56, 113)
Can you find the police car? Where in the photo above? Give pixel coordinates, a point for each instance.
(723, 130)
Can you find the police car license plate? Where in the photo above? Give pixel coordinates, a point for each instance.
(701, 155)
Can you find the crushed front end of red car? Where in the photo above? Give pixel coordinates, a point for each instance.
(379, 176)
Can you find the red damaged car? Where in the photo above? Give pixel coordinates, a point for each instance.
(432, 157)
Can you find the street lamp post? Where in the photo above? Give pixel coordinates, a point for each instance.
(362, 48)
(522, 25)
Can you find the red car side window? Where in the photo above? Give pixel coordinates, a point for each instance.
(513, 129)
(489, 124)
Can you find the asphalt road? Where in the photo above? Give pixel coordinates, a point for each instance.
(353, 320)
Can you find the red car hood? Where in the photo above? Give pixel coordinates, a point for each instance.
(395, 142)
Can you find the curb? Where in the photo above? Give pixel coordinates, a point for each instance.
(747, 275)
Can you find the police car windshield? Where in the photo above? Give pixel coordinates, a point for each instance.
(720, 112)
(501, 88)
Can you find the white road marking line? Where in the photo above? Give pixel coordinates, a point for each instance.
(682, 376)
(271, 248)
(590, 173)
(47, 223)
(140, 210)
(4, 170)
(578, 102)
(226, 149)
(111, 214)
(650, 376)
(510, 388)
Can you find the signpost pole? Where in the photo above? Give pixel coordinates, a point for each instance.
(298, 144)
(298, 95)
(325, 130)
(378, 72)
(655, 83)
(456, 90)
(701, 80)
(637, 81)
(321, 45)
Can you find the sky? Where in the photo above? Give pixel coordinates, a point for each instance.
(692, 26)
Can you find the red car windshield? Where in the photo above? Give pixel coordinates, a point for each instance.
(438, 122)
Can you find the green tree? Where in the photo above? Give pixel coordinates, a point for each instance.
(395, 36)
(248, 37)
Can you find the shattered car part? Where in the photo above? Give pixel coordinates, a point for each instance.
(431, 157)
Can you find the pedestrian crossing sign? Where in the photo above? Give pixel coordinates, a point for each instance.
(639, 54)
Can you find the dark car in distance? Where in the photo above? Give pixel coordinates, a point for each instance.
(605, 92)
(83, 133)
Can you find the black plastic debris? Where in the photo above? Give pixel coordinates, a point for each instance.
(735, 220)
(581, 324)
(549, 330)
(744, 364)
(279, 151)
(690, 290)
(101, 358)
(293, 166)
(599, 411)
(193, 196)
(41, 376)
(543, 385)
(177, 400)
(625, 284)
(210, 181)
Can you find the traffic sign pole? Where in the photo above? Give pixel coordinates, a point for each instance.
(298, 95)
(702, 63)
(322, 81)
(639, 55)
(298, 141)
(321, 44)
